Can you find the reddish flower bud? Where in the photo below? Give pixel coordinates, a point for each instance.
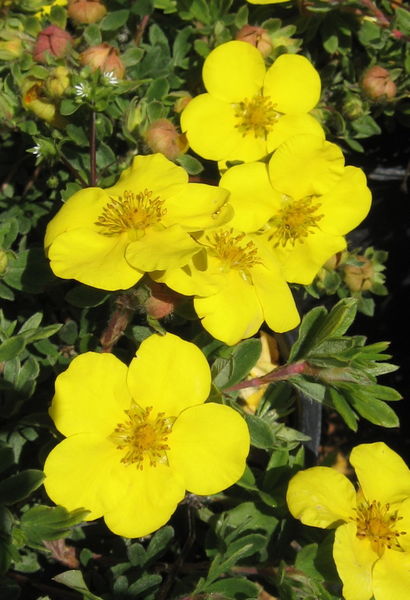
(162, 300)
(359, 279)
(162, 136)
(54, 40)
(256, 36)
(377, 84)
(85, 12)
(103, 57)
(184, 99)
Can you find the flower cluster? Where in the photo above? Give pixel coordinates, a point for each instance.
(372, 540)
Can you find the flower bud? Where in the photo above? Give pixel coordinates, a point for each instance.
(103, 57)
(162, 136)
(3, 262)
(377, 84)
(359, 279)
(11, 48)
(54, 40)
(58, 82)
(85, 12)
(256, 36)
(162, 300)
(182, 101)
(35, 100)
(352, 107)
(133, 115)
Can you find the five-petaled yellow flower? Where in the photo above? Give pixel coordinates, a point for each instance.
(138, 437)
(372, 540)
(108, 238)
(303, 202)
(248, 111)
(237, 283)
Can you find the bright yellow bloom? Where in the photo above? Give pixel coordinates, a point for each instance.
(138, 437)
(372, 541)
(237, 284)
(46, 8)
(248, 111)
(109, 238)
(304, 201)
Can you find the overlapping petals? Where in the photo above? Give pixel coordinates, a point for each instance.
(108, 238)
(137, 438)
(371, 548)
(247, 111)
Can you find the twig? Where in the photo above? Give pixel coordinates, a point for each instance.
(93, 156)
(141, 30)
(73, 170)
(279, 374)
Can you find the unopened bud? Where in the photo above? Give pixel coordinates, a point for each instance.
(35, 100)
(162, 136)
(162, 300)
(377, 84)
(58, 82)
(52, 40)
(11, 49)
(359, 279)
(133, 115)
(105, 58)
(85, 12)
(182, 101)
(332, 262)
(352, 107)
(256, 36)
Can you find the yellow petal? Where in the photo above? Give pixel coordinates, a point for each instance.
(354, 560)
(274, 294)
(209, 445)
(302, 262)
(94, 259)
(321, 497)
(319, 166)
(252, 196)
(403, 511)
(91, 395)
(391, 576)
(194, 278)
(234, 71)
(152, 496)
(227, 318)
(383, 475)
(293, 84)
(197, 206)
(169, 374)
(153, 172)
(346, 204)
(84, 470)
(161, 249)
(211, 128)
(290, 125)
(81, 210)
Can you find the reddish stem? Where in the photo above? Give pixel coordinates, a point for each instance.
(279, 374)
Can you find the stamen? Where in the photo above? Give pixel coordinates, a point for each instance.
(143, 437)
(131, 212)
(376, 523)
(295, 221)
(256, 116)
(232, 252)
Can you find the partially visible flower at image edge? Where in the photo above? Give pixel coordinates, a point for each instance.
(249, 111)
(137, 437)
(108, 238)
(372, 539)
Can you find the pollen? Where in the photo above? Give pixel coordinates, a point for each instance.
(143, 437)
(295, 221)
(256, 116)
(377, 523)
(233, 251)
(131, 212)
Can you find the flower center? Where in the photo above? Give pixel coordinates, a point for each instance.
(295, 221)
(233, 252)
(142, 436)
(131, 212)
(377, 523)
(256, 116)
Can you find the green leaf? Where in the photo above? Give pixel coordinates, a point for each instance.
(365, 127)
(192, 165)
(261, 432)
(314, 390)
(19, 486)
(12, 347)
(85, 296)
(75, 580)
(311, 323)
(144, 583)
(234, 587)
(45, 523)
(58, 16)
(375, 411)
(159, 542)
(384, 392)
(6, 457)
(114, 20)
(336, 400)
(136, 555)
(157, 90)
(92, 35)
(68, 107)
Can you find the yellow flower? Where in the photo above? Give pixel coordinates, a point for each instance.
(138, 437)
(108, 238)
(372, 540)
(304, 201)
(237, 284)
(248, 111)
(46, 8)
